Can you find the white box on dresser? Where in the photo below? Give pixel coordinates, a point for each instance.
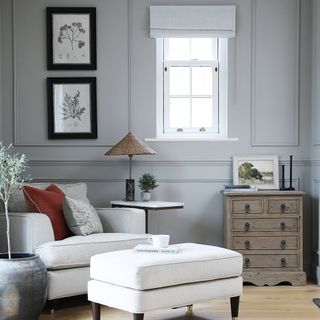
(267, 228)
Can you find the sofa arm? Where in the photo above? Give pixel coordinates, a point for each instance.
(124, 220)
(27, 231)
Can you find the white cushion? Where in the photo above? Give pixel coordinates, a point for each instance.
(140, 301)
(74, 190)
(144, 271)
(76, 251)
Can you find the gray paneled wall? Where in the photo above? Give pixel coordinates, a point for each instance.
(266, 68)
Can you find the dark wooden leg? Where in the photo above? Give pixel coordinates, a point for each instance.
(234, 301)
(96, 310)
(138, 316)
(146, 221)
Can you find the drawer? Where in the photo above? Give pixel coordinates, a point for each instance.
(269, 224)
(270, 261)
(247, 206)
(283, 205)
(266, 243)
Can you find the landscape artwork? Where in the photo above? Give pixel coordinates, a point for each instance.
(259, 171)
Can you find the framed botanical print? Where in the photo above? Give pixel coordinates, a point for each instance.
(72, 108)
(71, 38)
(259, 171)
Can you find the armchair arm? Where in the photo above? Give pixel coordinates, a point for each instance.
(126, 220)
(27, 231)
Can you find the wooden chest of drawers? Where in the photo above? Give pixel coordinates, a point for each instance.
(266, 227)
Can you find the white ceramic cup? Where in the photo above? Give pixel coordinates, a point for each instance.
(159, 240)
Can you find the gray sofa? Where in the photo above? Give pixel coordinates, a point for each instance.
(68, 260)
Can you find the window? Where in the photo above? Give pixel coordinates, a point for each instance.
(191, 87)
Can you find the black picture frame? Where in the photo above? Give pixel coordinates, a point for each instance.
(87, 59)
(66, 115)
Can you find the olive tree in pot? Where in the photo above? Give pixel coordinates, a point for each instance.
(147, 182)
(23, 276)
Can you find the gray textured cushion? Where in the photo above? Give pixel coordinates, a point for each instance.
(81, 217)
(73, 190)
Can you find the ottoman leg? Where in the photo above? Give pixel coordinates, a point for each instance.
(96, 310)
(234, 301)
(138, 316)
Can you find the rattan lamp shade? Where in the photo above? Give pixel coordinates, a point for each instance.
(130, 145)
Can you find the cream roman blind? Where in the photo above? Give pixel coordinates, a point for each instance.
(192, 21)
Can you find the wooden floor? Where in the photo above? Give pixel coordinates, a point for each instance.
(265, 303)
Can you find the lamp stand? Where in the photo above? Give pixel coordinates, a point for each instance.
(130, 183)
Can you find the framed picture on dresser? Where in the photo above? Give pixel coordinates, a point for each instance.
(259, 171)
(72, 108)
(71, 38)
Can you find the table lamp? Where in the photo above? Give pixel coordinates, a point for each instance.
(130, 145)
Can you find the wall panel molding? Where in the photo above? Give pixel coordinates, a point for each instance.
(280, 136)
(58, 143)
(316, 75)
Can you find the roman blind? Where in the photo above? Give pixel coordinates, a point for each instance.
(192, 21)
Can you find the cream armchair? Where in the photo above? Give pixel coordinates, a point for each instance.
(68, 260)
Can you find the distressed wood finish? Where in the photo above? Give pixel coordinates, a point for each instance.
(267, 228)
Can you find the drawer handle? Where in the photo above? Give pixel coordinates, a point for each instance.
(247, 244)
(283, 207)
(247, 226)
(283, 226)
(246, 262)
(283, 262)
(247, 207)
(283, 244)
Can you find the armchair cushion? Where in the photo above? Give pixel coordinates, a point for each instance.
(50, 202)
(72, 190)
(81, 217)
(75, 251)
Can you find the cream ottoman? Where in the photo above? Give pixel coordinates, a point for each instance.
(140, 282)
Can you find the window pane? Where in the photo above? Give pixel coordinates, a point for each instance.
(202, 80)
(179, 49)
(179, 81)
(201, 49)
(202, 112)
(179, 116)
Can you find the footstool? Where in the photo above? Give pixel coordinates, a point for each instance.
(141, 282)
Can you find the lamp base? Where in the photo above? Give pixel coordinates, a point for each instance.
(129, 189)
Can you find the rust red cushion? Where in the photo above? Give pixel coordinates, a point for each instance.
(49, 202)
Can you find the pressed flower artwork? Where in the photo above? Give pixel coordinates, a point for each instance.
(71, 36)
(72, 108)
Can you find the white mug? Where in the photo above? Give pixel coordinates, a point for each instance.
(159, 240)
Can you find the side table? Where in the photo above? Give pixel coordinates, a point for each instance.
(146, 206)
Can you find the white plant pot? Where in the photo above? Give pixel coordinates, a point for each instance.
(145, 196)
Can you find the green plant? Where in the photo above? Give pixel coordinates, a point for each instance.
(147, 182)
(12, 176)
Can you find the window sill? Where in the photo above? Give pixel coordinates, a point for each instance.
(201, 139)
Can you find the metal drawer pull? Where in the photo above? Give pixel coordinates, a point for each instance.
(283, 207)
(283, 262)
(283, 226)
(247, 244)
(247, 226)
(283, 244)
(247, 207)
(246, 262)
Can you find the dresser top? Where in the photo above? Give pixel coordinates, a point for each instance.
(264, 193)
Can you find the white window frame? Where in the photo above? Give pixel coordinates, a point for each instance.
(162, 130)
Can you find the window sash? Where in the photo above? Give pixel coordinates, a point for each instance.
(214, 65)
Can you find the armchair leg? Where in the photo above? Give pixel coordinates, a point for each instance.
(96, 310)
(234, 301)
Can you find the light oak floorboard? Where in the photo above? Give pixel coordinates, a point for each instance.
(265, 303)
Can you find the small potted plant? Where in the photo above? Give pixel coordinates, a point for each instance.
(147, 182)
(23, 283)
